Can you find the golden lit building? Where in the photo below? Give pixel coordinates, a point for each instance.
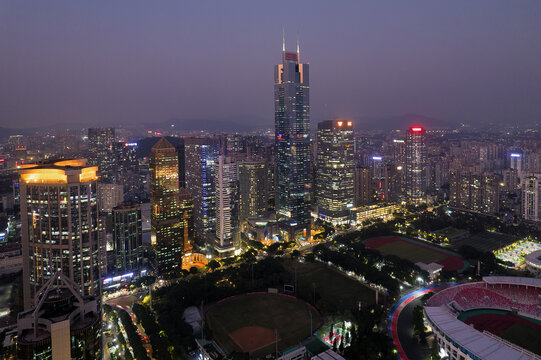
(166, 216)
(59, 225)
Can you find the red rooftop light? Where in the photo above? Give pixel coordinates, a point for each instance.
(416, 129)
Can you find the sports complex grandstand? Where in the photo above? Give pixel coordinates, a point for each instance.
(497, 318)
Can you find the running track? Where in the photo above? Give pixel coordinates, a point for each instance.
(394, 314)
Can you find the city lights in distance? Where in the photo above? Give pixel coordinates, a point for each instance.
(515, 155)
(416, 129)
(340, 123)
(377, 158)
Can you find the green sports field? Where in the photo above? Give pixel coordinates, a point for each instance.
(411, 252)
(247, 323)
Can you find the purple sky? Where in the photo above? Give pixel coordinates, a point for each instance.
(131, 61)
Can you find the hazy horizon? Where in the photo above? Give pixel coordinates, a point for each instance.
(137, 62)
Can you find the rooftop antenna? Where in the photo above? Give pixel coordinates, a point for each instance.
(298, 49)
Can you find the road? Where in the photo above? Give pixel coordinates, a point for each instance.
(401, 329)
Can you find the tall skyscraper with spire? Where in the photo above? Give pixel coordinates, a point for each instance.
(292, 136)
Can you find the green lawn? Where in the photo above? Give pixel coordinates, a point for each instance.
(411, 252)
(335, 292)
(524, 336)
(289, 316)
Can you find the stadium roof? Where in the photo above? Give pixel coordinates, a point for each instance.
(475, 342)
(534, 258)
(512, 280)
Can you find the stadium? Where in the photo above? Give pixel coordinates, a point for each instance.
(533, 262)
(497, 318)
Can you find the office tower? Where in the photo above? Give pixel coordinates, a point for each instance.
(127, 166)
(235, 143)
(226, 206)
(101, 150)
(335, 177)
(62, 324)
(59, 226)
(378, 177)
(292, 136)
(181, 164)
(531, 197)
(109, 196)
(415, 164)
(516, 160)
(186, 220)
(475, 192)
(165, 213)
(364, 189)
(201, 156)
(393, 184)
(254, 182)
(127, 238)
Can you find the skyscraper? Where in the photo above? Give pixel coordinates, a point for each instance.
(292, 136)
(226, 206)
(59, 226)
(127, 238)
(335, 186)
(101, 149)
(165, 210)
(415, 164)
(201, 161)
(254, 186)
(186, 220)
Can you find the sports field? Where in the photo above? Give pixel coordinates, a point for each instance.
(416, 251)
(335, 291)
(519, 330)
(250, 323)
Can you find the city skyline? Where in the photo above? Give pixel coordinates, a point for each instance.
(116, 64)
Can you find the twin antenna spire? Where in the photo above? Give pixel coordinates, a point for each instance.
(284, 45)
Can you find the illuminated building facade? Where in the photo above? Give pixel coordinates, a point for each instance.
(292, 136)
(59, 226)
(127, 238)
(201, 162)
(415, 164)
(516, 159)
(475, 192)
(186, 220)
(254, 186)
(226, 206)
(531, 197)
(335, 177)
(101, 151)
(63, 324)
(165, 211)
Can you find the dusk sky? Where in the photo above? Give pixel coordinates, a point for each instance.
(127, 62)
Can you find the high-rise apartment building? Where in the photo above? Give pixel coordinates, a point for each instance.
(127, 238)
(201, 162)
(102, 152)
(335, 177)
(165, 211)
(475, 192)
(531, 197)
(364, 189)
(254, 186)
(415, 164)
(59, 226)
(226, 206)
(292, 136)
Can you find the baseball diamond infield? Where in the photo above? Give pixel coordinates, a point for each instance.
(252, 323)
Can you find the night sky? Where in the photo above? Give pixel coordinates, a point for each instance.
(127, 62)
